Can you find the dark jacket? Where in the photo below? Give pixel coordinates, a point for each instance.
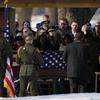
(76, 56)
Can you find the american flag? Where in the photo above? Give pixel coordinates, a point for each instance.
(9, 80)
(53, 60)
(9, 77)
(6, 24)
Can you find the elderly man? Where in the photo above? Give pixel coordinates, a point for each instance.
(97, 29)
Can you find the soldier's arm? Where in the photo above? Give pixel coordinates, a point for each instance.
(38, 57)
(18, 58)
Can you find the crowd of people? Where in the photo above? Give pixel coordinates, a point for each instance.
(81, 48)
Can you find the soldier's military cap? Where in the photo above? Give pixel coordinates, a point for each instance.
(45, 22)
(51, 29)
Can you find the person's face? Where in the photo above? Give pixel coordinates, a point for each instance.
(25, 30)
(26, 24)
(42, 39)
(52, 33)
(97, 29)
(41, 32)
(74, 26)
(62, 24)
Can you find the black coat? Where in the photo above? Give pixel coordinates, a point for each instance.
(76, 56)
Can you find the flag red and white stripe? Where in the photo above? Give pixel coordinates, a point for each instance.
(9, 80)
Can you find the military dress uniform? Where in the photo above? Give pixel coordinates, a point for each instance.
(29, 59)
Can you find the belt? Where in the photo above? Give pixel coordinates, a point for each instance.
(26, 63)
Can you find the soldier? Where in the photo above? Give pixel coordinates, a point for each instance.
(5, 51)
(30, 59)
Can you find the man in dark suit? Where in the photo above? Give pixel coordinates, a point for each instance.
(76, 56)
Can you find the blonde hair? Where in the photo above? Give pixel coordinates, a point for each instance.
(84, 28)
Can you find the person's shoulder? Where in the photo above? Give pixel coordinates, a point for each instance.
(69, 45)
(20, 48)
(73, 44)
(36, 50)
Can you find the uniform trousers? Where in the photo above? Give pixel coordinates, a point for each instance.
(23, 85)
